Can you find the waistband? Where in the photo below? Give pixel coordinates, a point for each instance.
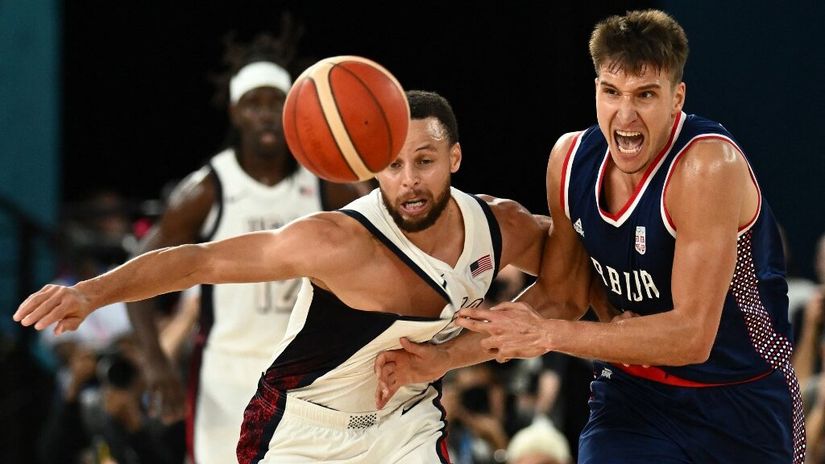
(658, 375)
(326, 417)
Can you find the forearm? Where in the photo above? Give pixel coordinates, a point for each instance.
(150, 274)
(660, 339)
(177, 331)
(541, 299)
(803, 355)
(464, 350)
(814, 422)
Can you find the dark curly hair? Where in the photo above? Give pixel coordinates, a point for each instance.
(280, 50)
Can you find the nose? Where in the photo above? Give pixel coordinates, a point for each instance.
(627, 110)
(268, 113)
(409, 175)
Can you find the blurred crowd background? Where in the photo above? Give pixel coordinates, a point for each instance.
(104, 106)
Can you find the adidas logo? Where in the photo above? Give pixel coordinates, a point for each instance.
(577, 226)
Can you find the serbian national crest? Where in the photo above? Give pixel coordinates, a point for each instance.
(641, 240)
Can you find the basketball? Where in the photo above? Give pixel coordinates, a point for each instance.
(346, 118)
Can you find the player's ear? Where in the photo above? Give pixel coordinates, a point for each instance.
(679, 97)
(455, 157)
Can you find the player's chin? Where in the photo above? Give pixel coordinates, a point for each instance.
(415, 224)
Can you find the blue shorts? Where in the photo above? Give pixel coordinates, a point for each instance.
(634, 420)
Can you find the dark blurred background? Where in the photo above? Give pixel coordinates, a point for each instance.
(114, 96)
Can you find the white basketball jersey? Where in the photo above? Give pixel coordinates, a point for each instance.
(328, 353)
(252, 318)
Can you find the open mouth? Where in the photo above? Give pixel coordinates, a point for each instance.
(414, 206)
(629, 142)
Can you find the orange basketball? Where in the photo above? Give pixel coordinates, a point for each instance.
(346, 118)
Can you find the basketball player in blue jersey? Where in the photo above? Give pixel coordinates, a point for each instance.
(660, 224)
(254, 184)
(398, 262)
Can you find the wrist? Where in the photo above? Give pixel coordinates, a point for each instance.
(443, 361)
(553, 330)
(87, 292)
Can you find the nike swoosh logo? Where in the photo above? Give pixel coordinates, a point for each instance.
(407, 409)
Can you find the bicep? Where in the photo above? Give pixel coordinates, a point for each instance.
(303, 248)
(565, 276)
(522, 234)
(564, 279)
(706, 238)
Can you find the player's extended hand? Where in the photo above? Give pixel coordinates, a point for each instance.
(54, 303)
(413, 363)
(515, 330)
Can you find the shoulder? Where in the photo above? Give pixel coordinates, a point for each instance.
(711, 171)
(560, 151)
(709, 158)
(513, 216)
(332, 229)
(197, 188)
(186, 210)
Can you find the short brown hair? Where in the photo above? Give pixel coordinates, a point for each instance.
(639, 39)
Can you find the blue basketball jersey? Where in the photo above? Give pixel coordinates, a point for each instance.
(632, 250)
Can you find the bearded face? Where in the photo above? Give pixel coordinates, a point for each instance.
(419, 209)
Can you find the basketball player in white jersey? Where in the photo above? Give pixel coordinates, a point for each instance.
(254, 184)
(398, 262)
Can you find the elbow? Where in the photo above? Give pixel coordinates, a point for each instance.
(697, 355)
(696, 350)
(197, 265)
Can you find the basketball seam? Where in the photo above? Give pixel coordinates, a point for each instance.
(307, 158)
(329, 126)
(377, 104)
(352, 158)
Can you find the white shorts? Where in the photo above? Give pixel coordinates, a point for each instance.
(227, 383)
(283, 429)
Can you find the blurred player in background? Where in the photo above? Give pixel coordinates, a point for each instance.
(254, 184)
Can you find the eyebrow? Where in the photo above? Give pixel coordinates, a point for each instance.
(426, 146)
(638, 89)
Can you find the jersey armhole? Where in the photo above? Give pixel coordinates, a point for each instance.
(495, 234)
(566, 168)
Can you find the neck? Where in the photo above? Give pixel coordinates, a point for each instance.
(266, 169)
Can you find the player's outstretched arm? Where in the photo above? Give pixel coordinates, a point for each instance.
(304, 247)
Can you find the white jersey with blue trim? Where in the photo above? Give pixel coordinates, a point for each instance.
(329, 350)
(252, 318)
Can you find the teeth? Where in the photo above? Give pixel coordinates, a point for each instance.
(628, 134)
(414, 203)
(628, 150)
